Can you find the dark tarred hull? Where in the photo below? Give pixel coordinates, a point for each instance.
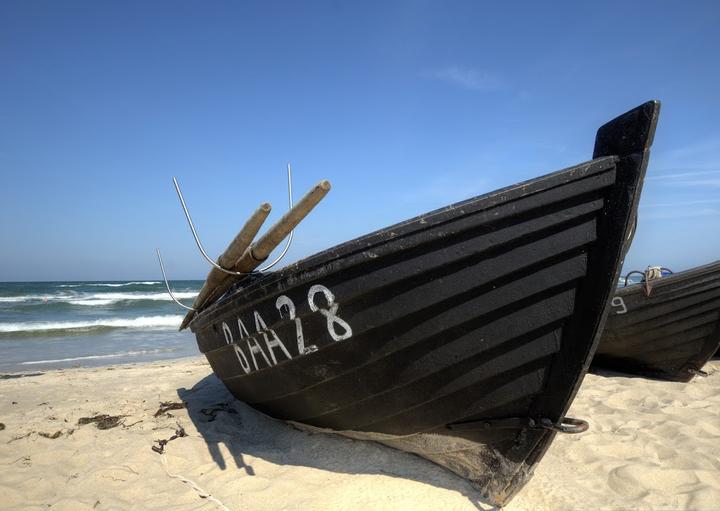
(483, 311)
(670, 334)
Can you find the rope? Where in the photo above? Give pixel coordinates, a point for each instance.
(201, 493)
(653, 272)
(160, 449)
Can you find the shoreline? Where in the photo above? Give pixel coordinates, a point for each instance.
(35, 368)
(82, 438)
(41, 354)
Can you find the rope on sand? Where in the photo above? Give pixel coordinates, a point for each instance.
(160, 449)
(201, 493)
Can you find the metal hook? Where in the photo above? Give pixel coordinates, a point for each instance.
(292, 233)
(628, 275)
(167, 284)
(208, 258)
(564, 425)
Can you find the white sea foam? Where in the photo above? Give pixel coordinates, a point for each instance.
(139, 283)
(92, 302)
(95, 299)
(37, 298)
(108, 298)
(114, 284)
(92, 357)
(13, 299)
(147, 322)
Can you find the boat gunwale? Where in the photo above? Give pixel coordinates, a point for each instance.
(423, 222)
(671, 279)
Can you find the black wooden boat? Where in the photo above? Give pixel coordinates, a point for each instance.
(461, 335)
(666, 328)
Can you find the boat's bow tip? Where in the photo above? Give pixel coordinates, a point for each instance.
(631, 132)
(652, 110)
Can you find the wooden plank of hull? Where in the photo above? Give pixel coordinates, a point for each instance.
(486, 309)
(672, 333)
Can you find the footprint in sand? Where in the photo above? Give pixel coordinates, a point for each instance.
(660, 451)
(622, 482)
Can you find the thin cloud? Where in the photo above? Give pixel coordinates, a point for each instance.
(700, 152)
(701, 182)
(680, 203)
(468, 78)
(675, 215)
(681, 165)
(682, 175)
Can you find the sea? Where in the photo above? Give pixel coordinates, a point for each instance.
(52, 325)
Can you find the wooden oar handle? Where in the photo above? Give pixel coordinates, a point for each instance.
(278, 232)
(243, 239)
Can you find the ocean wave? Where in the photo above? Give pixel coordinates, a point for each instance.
(92, 302)
(113, 284)
(147, 322)
(15, 299)
(45, 298)
(94, 357)
(108, 298)
(95, 299)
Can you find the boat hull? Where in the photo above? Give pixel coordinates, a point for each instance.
(670, 334)
(452, 335)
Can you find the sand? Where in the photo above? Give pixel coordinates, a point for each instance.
(652, 445)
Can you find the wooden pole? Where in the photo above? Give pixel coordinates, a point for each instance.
(261, 249)
(244, 238)
(258, 252)
(235, 249)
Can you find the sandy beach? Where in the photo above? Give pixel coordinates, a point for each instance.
(82, 438)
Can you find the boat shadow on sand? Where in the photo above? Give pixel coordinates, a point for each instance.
(246, 433)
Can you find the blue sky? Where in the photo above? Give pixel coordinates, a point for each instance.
(404, 106)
